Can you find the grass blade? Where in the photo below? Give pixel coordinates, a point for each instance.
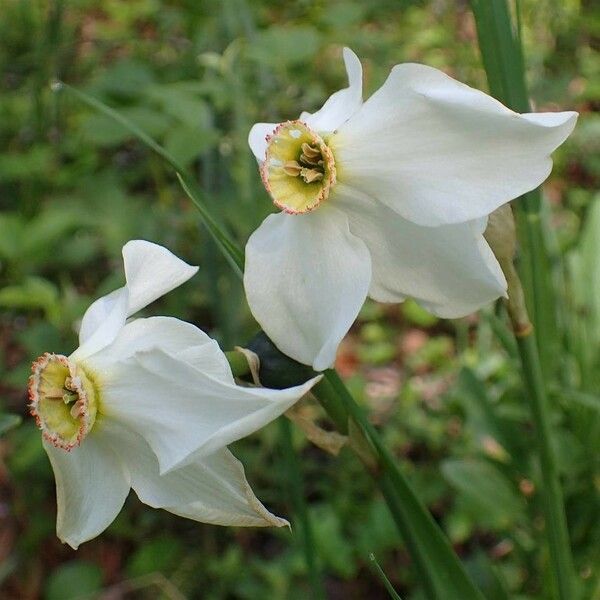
(384, 580)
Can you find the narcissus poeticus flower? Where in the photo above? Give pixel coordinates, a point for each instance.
(149, 404)
(387, 198)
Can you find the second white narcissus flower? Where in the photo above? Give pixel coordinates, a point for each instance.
(148, 404)
(387, 198)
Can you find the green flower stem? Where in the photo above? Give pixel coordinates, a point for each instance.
(555, 519)
(502, 56)
(441, 572)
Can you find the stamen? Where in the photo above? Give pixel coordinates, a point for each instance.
(311, 175)
(310, 151)
(292, 168)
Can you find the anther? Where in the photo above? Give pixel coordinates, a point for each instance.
(292, 168)
(311, 175)
(310, 151)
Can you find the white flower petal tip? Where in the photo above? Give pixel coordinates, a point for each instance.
(212, 489)
(91, 487)
(249, 512)
(439, 152)
(341, 105)
(151, 271)
(306, 278)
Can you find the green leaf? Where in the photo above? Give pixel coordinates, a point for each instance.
(75, 579)
(103, 131)
(186, 143)
(582, 398)
(488, 495)
(182, 103)
(12, 232)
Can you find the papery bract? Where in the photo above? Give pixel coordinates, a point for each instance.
(387, 198)
(149, 404)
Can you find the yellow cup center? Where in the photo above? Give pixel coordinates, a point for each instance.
(63, 399)
(299, 168)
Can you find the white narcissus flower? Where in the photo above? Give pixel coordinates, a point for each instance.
(387, 198)
(148, 404)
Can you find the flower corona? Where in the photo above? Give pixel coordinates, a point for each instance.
(63, 399)
(299, 168)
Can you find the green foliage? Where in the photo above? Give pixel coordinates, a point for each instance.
(75, 185)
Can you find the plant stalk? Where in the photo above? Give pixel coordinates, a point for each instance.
(552, 498)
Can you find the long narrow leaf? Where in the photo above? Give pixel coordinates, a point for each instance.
(441, 572)
(230, 249)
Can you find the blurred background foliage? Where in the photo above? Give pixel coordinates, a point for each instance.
(74, 186)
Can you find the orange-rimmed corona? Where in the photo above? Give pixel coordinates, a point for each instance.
(63, 399)
(299, 168)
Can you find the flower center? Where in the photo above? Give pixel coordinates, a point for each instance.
(63, 400)
(299, 168)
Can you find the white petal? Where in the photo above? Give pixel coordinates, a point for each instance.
(181, 340)
(102, 322)
(212, 489)
(257, 139)
(437, 151)
(91, 487)
(151, 271)
(340, 106)
(184, 413)
(450, 270)
(306, 279)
